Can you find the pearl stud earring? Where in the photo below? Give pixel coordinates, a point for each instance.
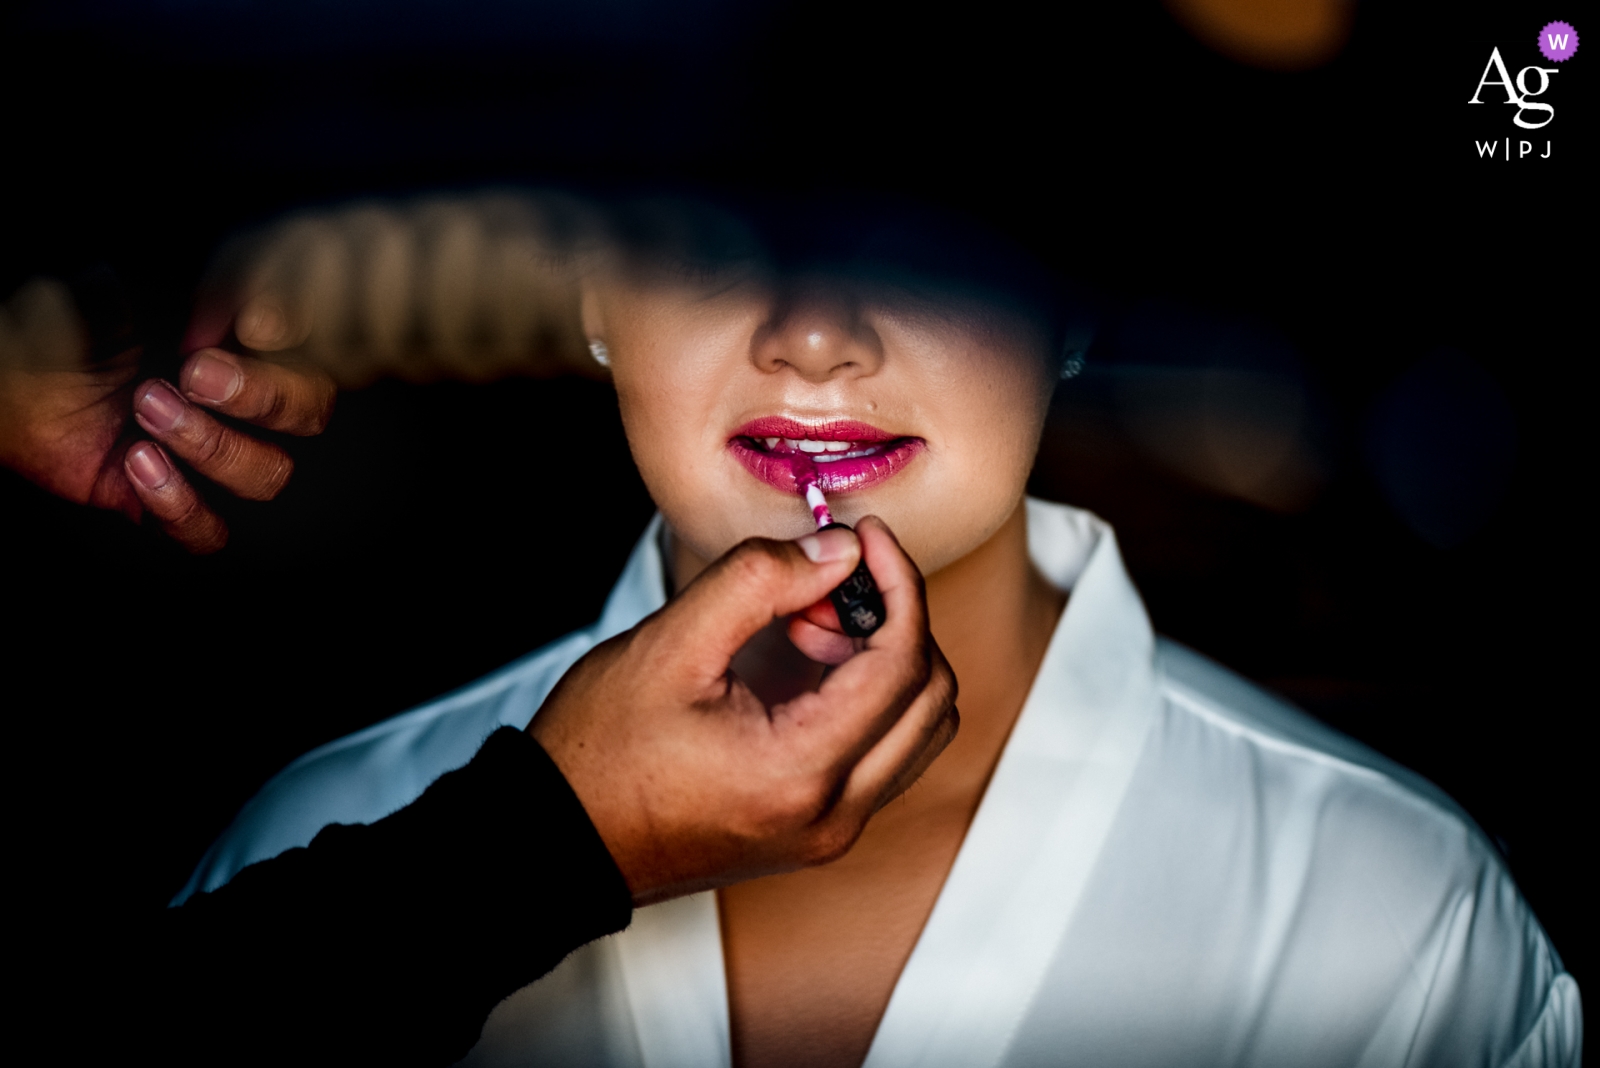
(598, 350)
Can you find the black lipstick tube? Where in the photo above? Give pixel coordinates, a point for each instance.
(856, 599)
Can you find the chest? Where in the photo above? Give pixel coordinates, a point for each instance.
(812, 957)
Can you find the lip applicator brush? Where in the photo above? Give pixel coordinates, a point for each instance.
(856, 599)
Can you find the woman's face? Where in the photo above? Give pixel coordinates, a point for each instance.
(926, 413)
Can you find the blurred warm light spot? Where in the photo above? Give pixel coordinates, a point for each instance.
(1273, 34)
(1224, 404)
(1240, 434)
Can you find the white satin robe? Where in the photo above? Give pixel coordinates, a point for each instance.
(1170, 868)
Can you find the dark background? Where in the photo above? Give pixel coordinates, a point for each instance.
(1333, 226)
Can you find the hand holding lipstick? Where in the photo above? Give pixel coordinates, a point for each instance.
(691, 780)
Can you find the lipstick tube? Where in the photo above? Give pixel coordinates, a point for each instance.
(856, 599)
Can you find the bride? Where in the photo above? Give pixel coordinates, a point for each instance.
(1128, 856)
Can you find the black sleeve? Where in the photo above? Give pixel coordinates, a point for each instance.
(387, 943)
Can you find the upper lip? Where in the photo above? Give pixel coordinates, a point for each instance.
(836, 455)
(832, 430)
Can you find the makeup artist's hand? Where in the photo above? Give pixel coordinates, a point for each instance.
(73, 427)
(691, 781)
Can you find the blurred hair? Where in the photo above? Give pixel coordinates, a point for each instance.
(478, 287)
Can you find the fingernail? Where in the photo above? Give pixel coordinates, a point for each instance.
(160, 406)
(828, 545)
(212, 379)
(263, 325)
(148, 466)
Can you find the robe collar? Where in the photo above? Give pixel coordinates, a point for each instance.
(1015, 886)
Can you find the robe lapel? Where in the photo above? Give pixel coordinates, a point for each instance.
(671, 957)
(1016, 882)
(1032, 847)
(641, 588)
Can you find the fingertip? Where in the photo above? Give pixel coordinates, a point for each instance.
(873, 522)
(148, 466)
(871, 528)
(899, 580)
(262, 325)
(211, 376)
(819, 643)
(891, 565)
(169, 499)
(830, 546)
(158, 408)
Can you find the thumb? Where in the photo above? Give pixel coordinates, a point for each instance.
(758, 581)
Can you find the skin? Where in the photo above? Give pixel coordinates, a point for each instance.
(813, 956)
(691, 365)
(96, 434)
(691, 779)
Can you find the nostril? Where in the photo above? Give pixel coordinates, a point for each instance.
(818, 335)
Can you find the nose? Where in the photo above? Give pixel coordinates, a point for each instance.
(819, 334)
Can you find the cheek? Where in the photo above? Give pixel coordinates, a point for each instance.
(989, 434)
(980, 409)
(662, 388)
(662, 420)
(673, 376)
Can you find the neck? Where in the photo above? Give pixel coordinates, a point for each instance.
(992, 614)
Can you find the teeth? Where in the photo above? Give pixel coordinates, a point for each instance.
(829, 450)
(852, 455)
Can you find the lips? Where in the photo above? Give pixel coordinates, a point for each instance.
(841, 456)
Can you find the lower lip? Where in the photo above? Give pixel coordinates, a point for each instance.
(783, 470)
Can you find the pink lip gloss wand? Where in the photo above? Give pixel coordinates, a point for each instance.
(856, 599)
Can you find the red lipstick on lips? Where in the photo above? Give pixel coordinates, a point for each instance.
(840, 456)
